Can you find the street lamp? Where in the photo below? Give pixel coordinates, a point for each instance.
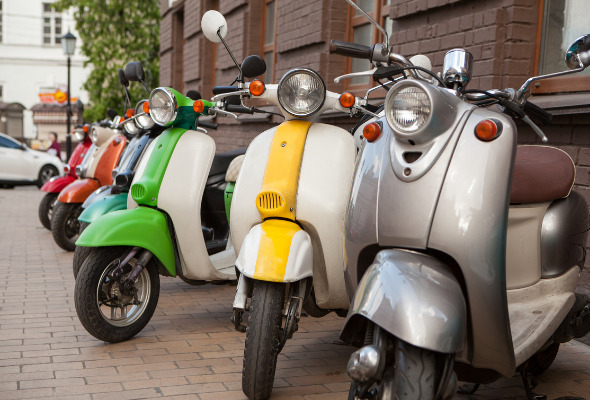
(69, 43)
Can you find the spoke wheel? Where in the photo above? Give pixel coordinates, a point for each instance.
(262, 339)
(46, 209)
(65, 226)
(107, 309)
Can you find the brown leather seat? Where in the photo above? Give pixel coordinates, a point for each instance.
(541, 174)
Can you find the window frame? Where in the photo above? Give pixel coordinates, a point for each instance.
(52, 15)
(269, 47)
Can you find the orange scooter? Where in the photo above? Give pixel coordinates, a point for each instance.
(109, 145)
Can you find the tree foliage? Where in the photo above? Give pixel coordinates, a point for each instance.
(114, 32)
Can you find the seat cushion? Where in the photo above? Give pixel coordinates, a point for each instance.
(541, 174)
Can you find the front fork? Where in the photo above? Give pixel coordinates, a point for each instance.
(142, 261)
(295, 294)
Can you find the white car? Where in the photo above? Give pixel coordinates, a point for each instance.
(20, 165)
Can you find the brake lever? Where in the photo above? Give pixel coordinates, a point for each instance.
(223, 112)
(224, 95)
(354, 75)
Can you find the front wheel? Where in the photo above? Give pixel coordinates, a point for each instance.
(65, 226)
(262, 339)
(46, 209)
(108, 309)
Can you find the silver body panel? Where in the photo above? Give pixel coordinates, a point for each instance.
(415, 298)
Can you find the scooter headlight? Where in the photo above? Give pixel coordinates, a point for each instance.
(131, 128)
(79, 134)
(407, 108)
(143, 121)
(301, 92)
(163, 106)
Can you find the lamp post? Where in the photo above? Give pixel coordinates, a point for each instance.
(69, 44)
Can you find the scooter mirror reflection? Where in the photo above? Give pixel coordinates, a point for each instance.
(253, 66)
(134, 71)
(578, 54)
(213, 22)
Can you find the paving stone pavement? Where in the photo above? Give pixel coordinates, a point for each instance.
(189, 350)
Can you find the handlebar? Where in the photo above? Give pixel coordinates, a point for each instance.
(224, 89)
(239, 109)
(537, 112)
(206, 124)
(351, 49)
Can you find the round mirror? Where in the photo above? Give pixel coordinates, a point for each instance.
(253, 66)
(574, 57)
(213, 22)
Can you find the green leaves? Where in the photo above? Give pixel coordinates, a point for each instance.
(114, 32)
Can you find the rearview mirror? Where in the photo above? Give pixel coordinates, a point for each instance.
(193, 94)
(134, 71)
(213, 22)
(122, 78)
(253, 66)
(578, 54)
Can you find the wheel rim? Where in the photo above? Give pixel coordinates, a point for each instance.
(116, 307)
(72, 227)
(47, 174)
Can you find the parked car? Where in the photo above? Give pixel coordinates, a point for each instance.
(19, 165)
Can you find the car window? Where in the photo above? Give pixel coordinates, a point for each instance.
(8, 143)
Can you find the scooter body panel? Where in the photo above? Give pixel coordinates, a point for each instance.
(98, 194)
(415, 298)
(103, 206)
(56, 184)
(276, 251)
(109, 160)
(78, 191)
(143, 227)
(181, 200)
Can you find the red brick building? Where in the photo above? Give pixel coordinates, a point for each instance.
(510, 40)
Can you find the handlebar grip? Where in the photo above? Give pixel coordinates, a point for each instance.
(537, 113)
(207, 124)
(351, 49)
(239, 109)
(224, 89)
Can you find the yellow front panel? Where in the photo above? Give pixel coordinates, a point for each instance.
(273, 251)
(281, 177)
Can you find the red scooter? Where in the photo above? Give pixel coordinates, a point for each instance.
(56, 184)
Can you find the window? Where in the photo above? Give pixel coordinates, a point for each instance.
(561, 22)
(363, 32)
(52, 25)
(268, 42)
(5, 142)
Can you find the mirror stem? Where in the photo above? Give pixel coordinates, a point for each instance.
(145, 86)
(372, 21)
(231, 55)
(520, 93)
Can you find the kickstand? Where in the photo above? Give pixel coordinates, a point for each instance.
(528, 387)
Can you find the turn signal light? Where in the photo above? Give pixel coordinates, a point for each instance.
(198, 106)
(486, 130)
(146, 107)
(257, 87)
(129, 113)
(372, 131)
(85, 129)
(347, 99)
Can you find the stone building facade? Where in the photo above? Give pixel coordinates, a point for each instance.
(510, 40)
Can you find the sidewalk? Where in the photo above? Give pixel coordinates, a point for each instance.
(189, 350)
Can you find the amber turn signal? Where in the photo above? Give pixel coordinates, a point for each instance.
(257, 87)
(347, 99)
(372, 131)
(146, 107)
(129, 113)
(198, 106)
(85, 129)
(486, 130)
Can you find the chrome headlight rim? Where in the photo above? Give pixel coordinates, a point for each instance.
(389, 108)
(94, 134)
(131, 127)
(79, 135)
(143, 121)
(174, 111)
(289, 74)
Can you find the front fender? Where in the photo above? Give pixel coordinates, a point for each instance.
(78, 191)
(103, 206)
(276, 251)
(412, 296)
(57, 183)
(143, 227)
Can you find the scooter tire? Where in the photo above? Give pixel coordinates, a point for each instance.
(92, 283)
(46, 209)
(262, 339)
(81, 253)
(65, 225)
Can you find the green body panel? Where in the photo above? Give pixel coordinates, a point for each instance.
(145, 190)
(227, 196)
(103, 206)
(143, 227)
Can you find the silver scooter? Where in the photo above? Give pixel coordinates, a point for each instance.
(463, 249)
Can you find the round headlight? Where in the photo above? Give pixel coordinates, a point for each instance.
(94, 134)
(162, 106)
(79, 134)
(144, 121)
(301, 92)
(408, 108)
(131, 128)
